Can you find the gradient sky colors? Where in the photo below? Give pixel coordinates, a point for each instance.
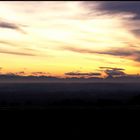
(58, 38)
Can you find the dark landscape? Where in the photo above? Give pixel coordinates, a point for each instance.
(72, 66)
(69, 95)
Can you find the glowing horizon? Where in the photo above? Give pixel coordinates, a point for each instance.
(56, 38)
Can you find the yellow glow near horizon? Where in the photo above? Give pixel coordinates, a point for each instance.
(38, 36)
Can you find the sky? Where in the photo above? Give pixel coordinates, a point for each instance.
(70, 38)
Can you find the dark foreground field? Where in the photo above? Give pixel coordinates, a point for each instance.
(70, 109)
(70, 95)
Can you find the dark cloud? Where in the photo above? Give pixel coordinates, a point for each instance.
(13, 26)
(82, 74)
(125, 53)
(117, 52)
(121, 6)
(15, 53)
(120, 52)
(128, 53)
(110, 71)
(8, 25)
(115, 72)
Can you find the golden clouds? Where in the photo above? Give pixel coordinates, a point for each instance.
(51, 26)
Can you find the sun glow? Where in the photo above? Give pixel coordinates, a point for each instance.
(60, 37)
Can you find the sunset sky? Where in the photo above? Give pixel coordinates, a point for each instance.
(69, 37)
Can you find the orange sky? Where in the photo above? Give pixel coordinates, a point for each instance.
(60, 37)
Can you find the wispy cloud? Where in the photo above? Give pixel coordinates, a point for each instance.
(6, 42)
(13, 26)
(128, 53)
(16, 53)
(125, 53)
